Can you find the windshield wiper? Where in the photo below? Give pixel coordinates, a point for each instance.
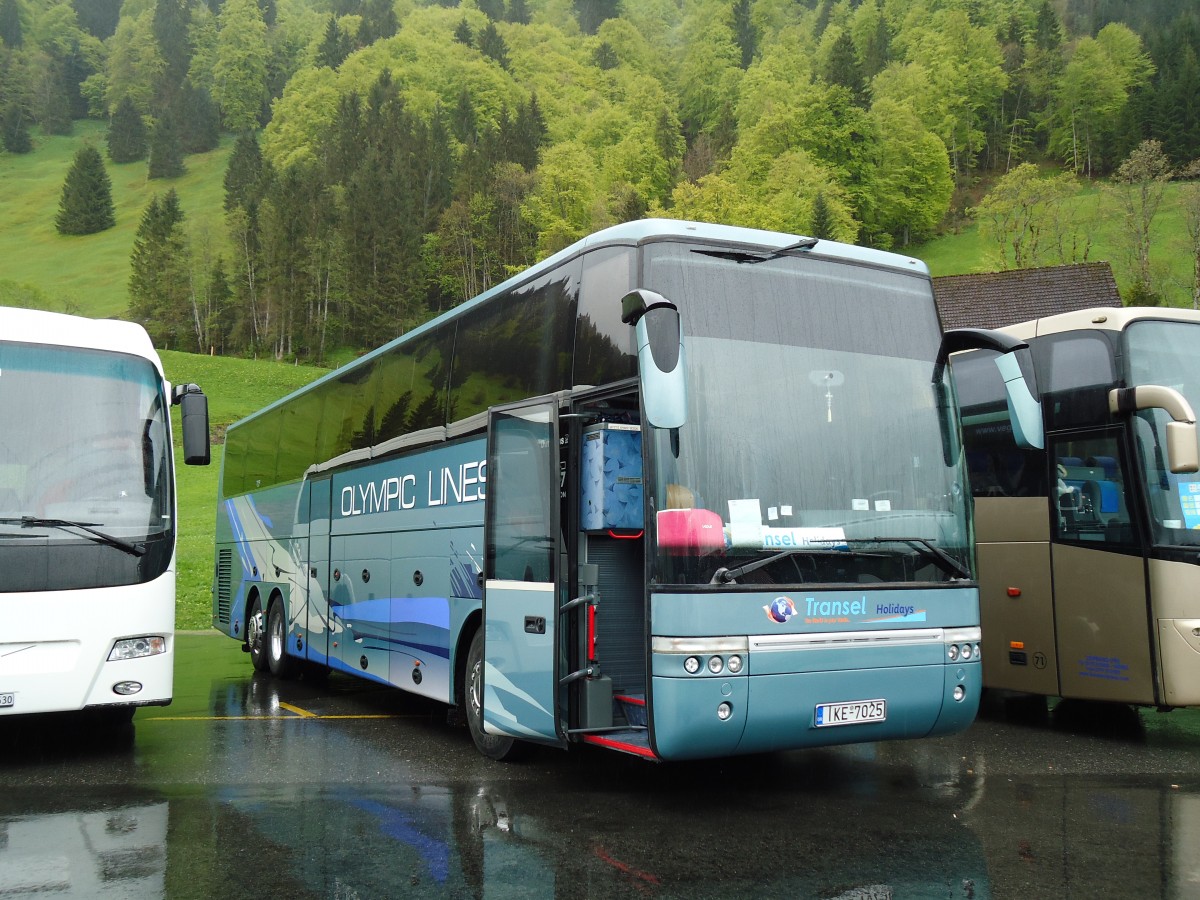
(729, 576)
(945, 561)
(751, 258)
(89, 527)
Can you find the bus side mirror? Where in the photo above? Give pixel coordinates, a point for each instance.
(661, 362)
(193, 412)
(1024, 409)
(1020, 391)
(1182, 452)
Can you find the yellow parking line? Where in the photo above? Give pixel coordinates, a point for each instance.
(304, 713)
(256, 718)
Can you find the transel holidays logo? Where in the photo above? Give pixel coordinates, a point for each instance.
(780, 609)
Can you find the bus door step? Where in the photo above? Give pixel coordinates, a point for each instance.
(633, 707)
(635, 741)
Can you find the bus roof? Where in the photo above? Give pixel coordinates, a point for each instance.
(631, 234)
(35, 326)
(1102, 318)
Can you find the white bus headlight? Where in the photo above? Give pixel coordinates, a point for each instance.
(134, 648)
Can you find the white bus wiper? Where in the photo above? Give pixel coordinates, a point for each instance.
(88, 527)
(944, 560)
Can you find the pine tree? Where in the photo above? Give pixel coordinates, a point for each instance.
(822, 218)
(86, 205)
(243, 173)
(518, 12)
(745, 32)
(10, 23)
(605, 57)
(493, 9)
(334, 47)
(463, 33)
(14, 130)
(492, 45)
(379, 21)
(170, 24)
(126, 133)
(200, 128)
(166, 157)
(159, 272)
(98, 17)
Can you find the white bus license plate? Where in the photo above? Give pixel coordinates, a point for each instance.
(6, 699)
(853, 713)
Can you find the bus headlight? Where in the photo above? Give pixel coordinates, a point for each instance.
(735, 665)
(691, 665)
(134, 648)
(715, 664)
(952, 652)
(724, 711)
(966, 651)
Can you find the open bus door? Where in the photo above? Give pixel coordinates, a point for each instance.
(523, 573)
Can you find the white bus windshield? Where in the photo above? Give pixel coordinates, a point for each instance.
(1168, 354)
(813, 427)
(85, 483)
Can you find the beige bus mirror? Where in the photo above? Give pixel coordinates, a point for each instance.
(1183, 455)
(661, 362)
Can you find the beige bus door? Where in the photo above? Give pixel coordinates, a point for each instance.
(1101, 607)
(1016, 602)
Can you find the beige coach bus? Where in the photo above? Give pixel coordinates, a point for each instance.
(1089, 547)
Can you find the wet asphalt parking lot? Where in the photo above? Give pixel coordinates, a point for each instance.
(249, 787)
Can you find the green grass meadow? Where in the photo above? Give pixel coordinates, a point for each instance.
(89, 275)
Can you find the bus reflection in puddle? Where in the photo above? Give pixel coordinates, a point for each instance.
(117, 852)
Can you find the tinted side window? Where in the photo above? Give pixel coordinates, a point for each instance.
(604, 345)
(1074, 361)
(515, 346)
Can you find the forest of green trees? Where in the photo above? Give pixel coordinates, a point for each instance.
(396, 157)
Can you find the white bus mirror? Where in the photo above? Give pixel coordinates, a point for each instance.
(661, 362)
(1183, 455)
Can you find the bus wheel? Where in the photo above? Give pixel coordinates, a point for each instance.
(493, 746)
(280, 664)
(256, 636)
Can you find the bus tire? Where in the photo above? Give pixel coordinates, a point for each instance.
(256, 636)
(280, 664)
(493, 746)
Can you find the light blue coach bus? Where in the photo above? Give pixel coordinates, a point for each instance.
(680, 490)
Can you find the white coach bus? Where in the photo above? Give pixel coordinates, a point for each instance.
(87, 514)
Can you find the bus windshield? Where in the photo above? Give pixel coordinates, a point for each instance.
(85, 483)
(1167, 354)
(813, 426)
